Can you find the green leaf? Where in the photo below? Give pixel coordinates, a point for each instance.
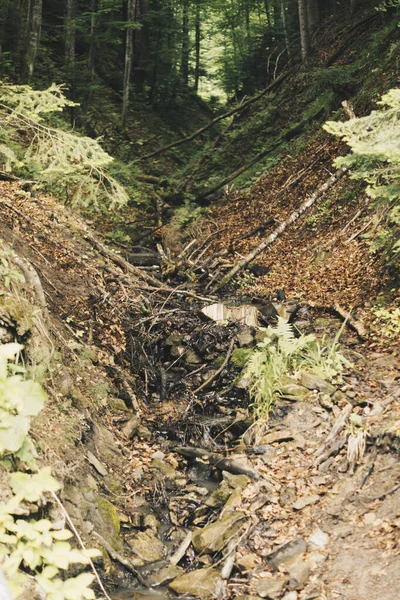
(31, 487)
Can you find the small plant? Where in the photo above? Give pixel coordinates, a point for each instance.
(387, 321)
(282, 354)
(35, 546)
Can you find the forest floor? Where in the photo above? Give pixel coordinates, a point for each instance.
(128, 355)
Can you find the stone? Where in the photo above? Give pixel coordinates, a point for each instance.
(284, 553)
(118, 404)
(100, 468)
(248, 562)
(150, 521)
(299, 573)
(245, 337)
(234, 500)
(290, 596)
(247, 314)
(164, 575)
(215, 536)
(318, 539)
(306, 500)
(272, 587)
(235, 481)
(164, 468)
(200, 583)
(313, 382)
(294, 392)
(191, 358)
(144, 433)
(242, 383)
(277, 436)
(147, 547)
(130, 428)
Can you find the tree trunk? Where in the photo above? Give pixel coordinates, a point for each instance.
(197, 47)
(128, 60)
(34, 26)
(285, 28)
(70, 34)
(304, 31)
(91, 61)
(185, 43)
(313, 14)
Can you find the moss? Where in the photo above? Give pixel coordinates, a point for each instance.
(240, 356)
(219, 361)
(110, 517)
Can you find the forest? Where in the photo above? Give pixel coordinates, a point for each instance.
(199, 299)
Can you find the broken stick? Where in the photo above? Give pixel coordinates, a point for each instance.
(224, 464)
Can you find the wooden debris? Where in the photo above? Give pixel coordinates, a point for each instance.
(222, 367)
(181, 550)
(353, 323)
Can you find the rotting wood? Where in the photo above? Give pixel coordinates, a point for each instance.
(317, 195)
(211, 124)
(224, 464)
(219, 371)
(353, 323)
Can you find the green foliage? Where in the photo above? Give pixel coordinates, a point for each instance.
(387, 322)
(330, 79)
(62, 159)
(375, 158)
(281, 354)
(32, 546)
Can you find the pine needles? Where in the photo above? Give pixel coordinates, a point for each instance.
(71, 163)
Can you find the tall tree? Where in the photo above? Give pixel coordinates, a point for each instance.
(197, 46)
(128, 59)
(304, 29)
(185, 42)
(32, 39)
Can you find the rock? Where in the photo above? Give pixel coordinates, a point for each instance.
(215, 536)
(313, 382)
(318, 539)
(286, 495)
(147, 547)
(200, 583)
(144, 433)
(219, 496)
(245, 313)
(164, 575)
(118, 404)
(235, 481)
(234, 500)
(286, 552)
(290, 596)
(248, 562)
(130, 428)
(150, 521)
(242, 383)
(306, 500)
(294, 392)
(165, 469)
(325, 401)
(100, 468)
(191, 358)
(277, 436)
(299, 573)
(272, 587)
(245, 337)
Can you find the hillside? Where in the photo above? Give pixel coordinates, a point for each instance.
(214, 321)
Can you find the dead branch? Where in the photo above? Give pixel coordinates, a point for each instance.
(353, 323)
(17, 212)
(119, 558)
(231, 112)
(317, 195)
(181, 550)
(222, 367)
(32, 278)
(330, 443)
(224, 464)
(121, 262)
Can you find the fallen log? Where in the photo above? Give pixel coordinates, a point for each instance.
(226, 115)
(317, 195)
(224, 464)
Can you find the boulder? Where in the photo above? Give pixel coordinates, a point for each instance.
(248, 562)
(294, 392)
(164, 575)
(215, 536)
(299, 573)
(313, 382)
(286, 552)
(130, 428)
(200, 583)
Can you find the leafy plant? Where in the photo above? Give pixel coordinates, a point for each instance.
(60, 158)
(375, 158)
(39, 547)
(281, 354)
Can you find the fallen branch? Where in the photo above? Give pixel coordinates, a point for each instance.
(331, 443)
(317, 195)
(181, 550)
(215, 375)
(119, 558)
(224, 464)
(356, 325)
(32, 278)
(231, 112)
(17, 212)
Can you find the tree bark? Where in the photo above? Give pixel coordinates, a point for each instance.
(34, 26)
(285, 28)
(185, 43)
(128, 60)
(304, 30)
(312, 14)
(70, 34)
(197, 48)
(319, 193)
